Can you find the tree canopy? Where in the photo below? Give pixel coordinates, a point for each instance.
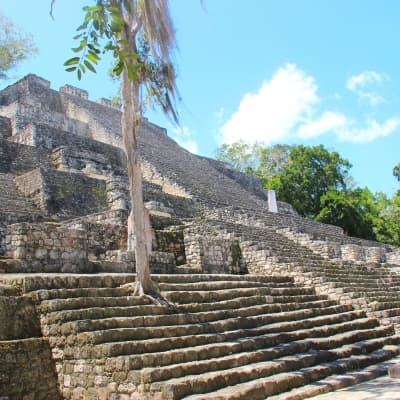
(299, 174)
(345, 209)
(318, 185)
(15, 46)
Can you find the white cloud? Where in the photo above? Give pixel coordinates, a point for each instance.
(364, 79)
(328, 122)
(271, 114)
(373, 130)
(361, 85)
(288, 107)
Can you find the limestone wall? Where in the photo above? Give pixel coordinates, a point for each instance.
(31, 89)
(171, 241)
(102, 237)
(32, 186)
(48, 247)
(214, 252)
(18, 158)
(5, 127)
(49, 137)
(27, 370)
(18, 319)
(104, 123)
(118, 217)
(62, 193)
(22, 114)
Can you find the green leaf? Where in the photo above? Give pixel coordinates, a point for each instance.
(79, 73)
(89, 66)
(71, 69)
(96, 24)
(93, 48)
(71, 61)
(93, 57)
(117, 70)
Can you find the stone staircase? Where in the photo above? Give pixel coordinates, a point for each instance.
(224, 337)
(372, 287)
(14, 204)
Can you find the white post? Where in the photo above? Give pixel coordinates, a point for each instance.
(272, 205)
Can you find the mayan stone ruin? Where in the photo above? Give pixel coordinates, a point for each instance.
(266, 304)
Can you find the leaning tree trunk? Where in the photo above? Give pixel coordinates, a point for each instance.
(131, 119)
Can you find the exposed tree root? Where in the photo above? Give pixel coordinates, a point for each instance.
(153, 294)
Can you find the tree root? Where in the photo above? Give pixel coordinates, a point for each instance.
(153, 295)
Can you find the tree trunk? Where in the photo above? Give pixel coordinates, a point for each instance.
(131, 120)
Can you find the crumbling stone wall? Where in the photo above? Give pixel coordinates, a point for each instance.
(63, 193)
(104, 123)
(117, 217)
(49, 137)
(48, 247)
(22, 114)
(102, 237)
(27, 370)
(171, 241)
(32, 186)
(214, 254)
(18, 318)
(15, 157)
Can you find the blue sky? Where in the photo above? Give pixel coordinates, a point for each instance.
(289, 71)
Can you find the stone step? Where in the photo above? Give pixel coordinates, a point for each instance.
(240, 302)
(256, 314)
(333, 382)
(370, 286)
(298, 298)
(67, 281)
(53, 294)
(219, 285)
(379, 306)
(256, 325)
(383, 297)
(95, 313)
(30, 283)
(351, 279)
(235, 359)
(47, 306)
(347, 274)
(272, 342)
(90, 305)
(389, 313)
(220, 277)
(221, 295)
(257, 381)
(361, 329)
(12, 201)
